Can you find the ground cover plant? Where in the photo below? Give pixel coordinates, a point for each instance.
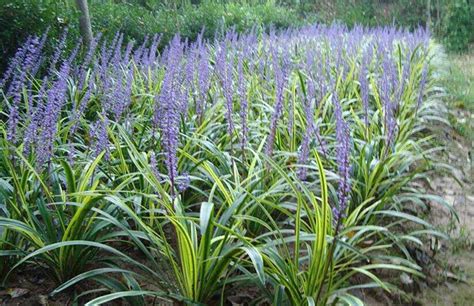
(281, 160)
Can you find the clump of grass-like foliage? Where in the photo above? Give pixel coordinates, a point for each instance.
(281, 160)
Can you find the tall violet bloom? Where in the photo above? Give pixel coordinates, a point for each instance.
(111, 52)
(311, 130)
(87, 60)
(16, 86)
(15, 62)
(184, 182)
(128, 52)
(13, 118)
(78, 110)
(281, 78)
(243, 102)
(303, 154)
(55, 100)
(30, 137)
(118, 95)
(150, 58)
(343, 162)
(167, 109)
(77, 113)
(116, 79)
(58, 50)
(406, 69)
(364, 84)
(138, 53)
(204, 79)
(188, 79)
(170, 129)
(305, 145)
(99, 137)
(38, 55)
(224, 70)
(116, 57)
(28, 62)
(387, 84)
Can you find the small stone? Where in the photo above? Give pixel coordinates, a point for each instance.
(406, 279)
(15, 292)
(43, 300)
(449, 199)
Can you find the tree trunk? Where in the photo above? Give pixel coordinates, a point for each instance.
(438, 19)
(428, 11)
(84, 22)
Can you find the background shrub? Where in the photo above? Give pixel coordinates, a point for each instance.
(459, 25)
(20, 18)
(136, 18)
(449, 19)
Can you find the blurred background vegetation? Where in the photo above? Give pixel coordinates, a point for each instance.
(450, 20)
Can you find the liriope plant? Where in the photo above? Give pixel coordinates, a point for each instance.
(56, 229)
(190, 254)
(288, 155)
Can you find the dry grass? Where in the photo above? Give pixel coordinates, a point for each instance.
(459, 84)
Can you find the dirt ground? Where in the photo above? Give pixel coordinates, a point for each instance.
(457, 256)
(450, 263)
(458, 191)
(455, 261)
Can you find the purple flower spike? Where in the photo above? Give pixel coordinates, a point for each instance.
(55, 100)
(58, 50)
(78, 111)
(184, 182)
(304, 155)
(167, 108)
(17, 84)
(31, 133)
(343, 162)
(99, 137)
(154, 165)
(281, 79)
(204, 80)
(243, 103)
(15, 62)
(387, 85)
(224, 70)
(364, 85)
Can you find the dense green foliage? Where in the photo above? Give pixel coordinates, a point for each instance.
(450, 20)
(19, 18)
(87, 175)
(182, 168)
(459, 83)
(458, 29)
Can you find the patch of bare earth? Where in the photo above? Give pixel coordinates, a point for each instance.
(455, 259)
(448, 265)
